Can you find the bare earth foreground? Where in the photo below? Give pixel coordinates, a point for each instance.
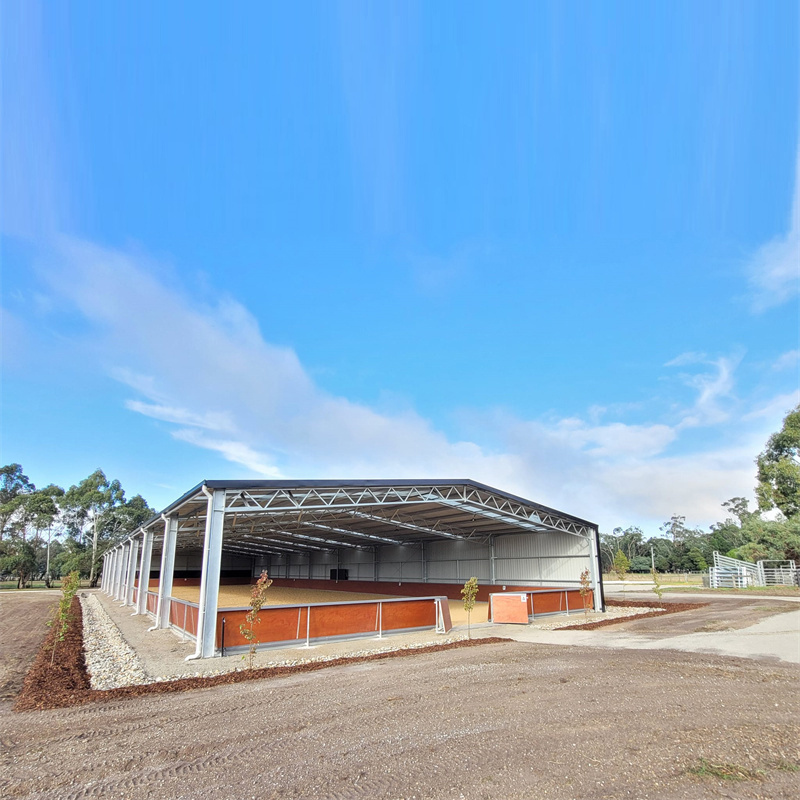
(512, 720)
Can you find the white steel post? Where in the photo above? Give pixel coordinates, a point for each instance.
(132, 571)
(594, 572)
(209, 580)
(119, 572)
(144, 572)
(126, 571)
(167, 570)
(111, 563)
(109, 579)
(111, 557)
(112, 589)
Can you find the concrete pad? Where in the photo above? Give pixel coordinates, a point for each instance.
(777, 636)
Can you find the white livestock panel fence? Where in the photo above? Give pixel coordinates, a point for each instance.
(733, 573)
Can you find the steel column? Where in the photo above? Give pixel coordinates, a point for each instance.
(118, 573)
(594, 572)
(126, 569)
(167, 570)
(209, 581)
(144, 572)
(132, 571)
(112, 565)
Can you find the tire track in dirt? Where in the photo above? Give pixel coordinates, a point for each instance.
(233, 754)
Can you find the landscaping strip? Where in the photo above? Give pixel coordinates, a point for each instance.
(67, 682)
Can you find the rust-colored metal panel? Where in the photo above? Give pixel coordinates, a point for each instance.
(340, 620)
(409, 614)
(510, 608)
(275, 625)
(548, 603)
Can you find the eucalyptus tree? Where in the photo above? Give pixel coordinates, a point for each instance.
(87, 506)
(41, 512)
(779, 469)
(14, 488)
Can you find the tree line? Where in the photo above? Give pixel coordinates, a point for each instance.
(49, 532)
(769, 532)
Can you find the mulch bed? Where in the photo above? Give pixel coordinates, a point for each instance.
(67, 682)
(663, 608)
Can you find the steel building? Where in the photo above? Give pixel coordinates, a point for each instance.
(418, 536)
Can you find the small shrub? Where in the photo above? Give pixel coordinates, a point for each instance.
(469, 593)
(657, 589)
(258, 596)
(586, 591)
(69, 588)
(622, 565)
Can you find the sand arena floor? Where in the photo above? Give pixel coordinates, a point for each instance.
(239, 597)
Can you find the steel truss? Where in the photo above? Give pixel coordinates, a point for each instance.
(281, 517)
(481, 503)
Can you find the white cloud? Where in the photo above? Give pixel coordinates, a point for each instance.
(181, 416)
(714, 385)
(234, 451)
(789, 360)
(713, 388)
(687, 358)
(774, 271)
(207, 371)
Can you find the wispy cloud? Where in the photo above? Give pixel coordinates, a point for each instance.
(713, 381)
(207, 371)
(788, 360)
(774, 271)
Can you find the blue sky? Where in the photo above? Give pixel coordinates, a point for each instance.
(552, 247)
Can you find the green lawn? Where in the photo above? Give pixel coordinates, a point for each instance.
(54, 584)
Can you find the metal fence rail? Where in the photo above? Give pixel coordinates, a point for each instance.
(733, 573)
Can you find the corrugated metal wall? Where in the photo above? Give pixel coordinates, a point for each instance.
(553, 559)
(547, 558)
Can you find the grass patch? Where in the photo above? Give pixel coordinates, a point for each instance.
(725, 772)
(786, 766)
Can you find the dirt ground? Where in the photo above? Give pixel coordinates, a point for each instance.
(722, 615)
(239, 597)
(510, 720)
(23, 625)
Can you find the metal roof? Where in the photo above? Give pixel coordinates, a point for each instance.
(291, 516)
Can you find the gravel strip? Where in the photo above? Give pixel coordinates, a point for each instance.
(110, 661)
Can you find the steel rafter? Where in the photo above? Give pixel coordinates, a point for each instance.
(466, 498)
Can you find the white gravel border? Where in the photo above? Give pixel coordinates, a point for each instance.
(110, 660)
